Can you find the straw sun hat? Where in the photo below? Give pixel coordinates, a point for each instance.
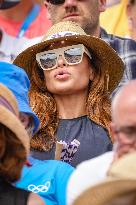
(121, 180)
(107, 59)
(9, 116)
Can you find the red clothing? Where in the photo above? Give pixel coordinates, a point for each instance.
(37, 28)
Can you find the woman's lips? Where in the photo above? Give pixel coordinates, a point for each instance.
(62, 75)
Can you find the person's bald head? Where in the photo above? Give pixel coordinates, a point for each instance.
(124, 120)
(124, 102)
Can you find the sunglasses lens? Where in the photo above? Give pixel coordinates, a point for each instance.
(56, 2)
(48, 60)
(73, 55)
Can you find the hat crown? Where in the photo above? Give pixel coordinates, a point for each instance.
(10, 99)
(15, 79)
(63, 29)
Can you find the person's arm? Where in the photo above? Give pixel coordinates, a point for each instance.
(34, 199)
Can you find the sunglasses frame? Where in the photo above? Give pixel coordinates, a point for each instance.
(60, 52)
(55, 2)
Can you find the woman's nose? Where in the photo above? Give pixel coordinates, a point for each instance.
(61, 61)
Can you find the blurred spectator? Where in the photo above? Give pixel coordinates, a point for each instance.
(25, 19)
(114, 19)
(131, 14)
(11, 46)
(14, 149)
(47, 178)
(20, 26)
(119, 188)
(124, 133)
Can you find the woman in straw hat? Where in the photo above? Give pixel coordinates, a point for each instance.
(14, 148)
(72, 75)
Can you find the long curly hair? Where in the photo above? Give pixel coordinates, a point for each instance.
(43, 104)
(12, 155)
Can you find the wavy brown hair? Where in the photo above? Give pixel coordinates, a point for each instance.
(43, 104)
(12, 155)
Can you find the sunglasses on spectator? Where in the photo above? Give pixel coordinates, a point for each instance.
(56, 2)
(128, 131)
(72, 55)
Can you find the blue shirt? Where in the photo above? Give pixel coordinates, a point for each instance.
(46, 178)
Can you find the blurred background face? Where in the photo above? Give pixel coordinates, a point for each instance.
(124, 126)
(8, 4)
(84, 12)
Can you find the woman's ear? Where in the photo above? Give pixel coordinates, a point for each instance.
(91, 75)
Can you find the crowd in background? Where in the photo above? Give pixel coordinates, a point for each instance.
(67, 102)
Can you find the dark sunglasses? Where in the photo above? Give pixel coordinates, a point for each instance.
(56, 2)
(4, 4)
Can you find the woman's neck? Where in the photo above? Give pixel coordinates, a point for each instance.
(71, 106)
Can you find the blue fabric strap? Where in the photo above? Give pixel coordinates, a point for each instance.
(28, 20)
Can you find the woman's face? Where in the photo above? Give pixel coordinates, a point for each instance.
(69, 79)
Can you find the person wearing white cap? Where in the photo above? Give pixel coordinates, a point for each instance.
(118, 188)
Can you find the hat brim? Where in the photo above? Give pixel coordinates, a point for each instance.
(25, 108)
(105, 192)
(8, 119)
(36, 121)
(109, 61)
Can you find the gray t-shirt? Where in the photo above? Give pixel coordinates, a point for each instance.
(94, 139)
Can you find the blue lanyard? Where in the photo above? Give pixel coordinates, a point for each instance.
(28, 20)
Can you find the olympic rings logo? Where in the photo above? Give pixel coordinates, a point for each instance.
(40, 188)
